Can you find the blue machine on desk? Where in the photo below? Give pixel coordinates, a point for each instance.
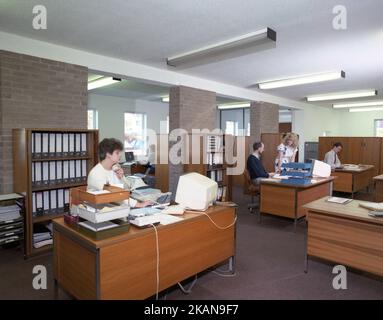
(299, 173)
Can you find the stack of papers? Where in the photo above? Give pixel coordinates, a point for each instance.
(374, 206)
(98, 226)
(339, 200)
(168, 219)
(41, 239)
(8, 213)
(146, 194)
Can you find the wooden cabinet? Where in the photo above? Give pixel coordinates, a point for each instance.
(46, 163)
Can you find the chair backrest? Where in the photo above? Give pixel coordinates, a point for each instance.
(248, 186)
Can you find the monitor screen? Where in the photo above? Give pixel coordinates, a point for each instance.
(195, 191)
(129, 156)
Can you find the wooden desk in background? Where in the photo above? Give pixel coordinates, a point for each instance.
(124, 266)
(345, 234)
(378, 195)
(287, 200)
(353, 180)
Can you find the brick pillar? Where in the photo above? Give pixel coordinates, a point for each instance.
(264, 118)
(189, 109)
(37, 93)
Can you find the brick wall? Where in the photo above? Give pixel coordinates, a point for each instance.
(37, 93)
(264, 118)
(189, 108)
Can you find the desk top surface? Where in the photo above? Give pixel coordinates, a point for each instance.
(133, 230)
(380, 177)
(314, 182)
(359, 168)
(350, 210)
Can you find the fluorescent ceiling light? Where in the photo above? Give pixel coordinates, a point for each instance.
(293, 81)
(250, 39)
(165, 99)
(102, 82)
(343, 95)
(377, 108)
(234, 106)
(359, 104)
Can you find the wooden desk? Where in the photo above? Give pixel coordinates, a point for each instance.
(345, 234)
(378, 194)
(352, 181)
(124, 266)
(287, 200)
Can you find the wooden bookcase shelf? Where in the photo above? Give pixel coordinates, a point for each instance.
(212, 163)
(24, 162)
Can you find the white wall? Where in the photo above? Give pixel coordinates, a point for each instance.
(359, 124)
(111, 113)
(316, 121)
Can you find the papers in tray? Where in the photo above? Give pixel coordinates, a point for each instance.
(98, 226)
(374, 206)
(339, 200)
(97, 214)
(8, 213)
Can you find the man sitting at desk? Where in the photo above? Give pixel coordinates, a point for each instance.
(254, 164)
(107, 171)
(331, 157)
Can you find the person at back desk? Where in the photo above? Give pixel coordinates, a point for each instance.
(254, 164)
(331, 157)
(107, 171)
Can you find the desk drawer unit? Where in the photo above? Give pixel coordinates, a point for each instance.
(346, 241)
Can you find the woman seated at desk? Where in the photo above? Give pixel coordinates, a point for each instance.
(108, 171)
(287, 151)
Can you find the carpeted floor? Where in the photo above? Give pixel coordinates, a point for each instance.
(269, 265)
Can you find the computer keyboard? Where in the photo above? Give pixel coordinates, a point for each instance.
(142, 212)
(145, 221)
(174, 209)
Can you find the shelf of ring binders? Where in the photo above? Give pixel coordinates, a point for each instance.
(47, 163)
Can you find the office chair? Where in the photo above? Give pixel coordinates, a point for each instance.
(249, 188)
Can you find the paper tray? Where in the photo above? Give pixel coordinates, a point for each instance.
(97, 217)
(113, 196)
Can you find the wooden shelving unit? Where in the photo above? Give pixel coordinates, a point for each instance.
(23, 160)
(212, 163)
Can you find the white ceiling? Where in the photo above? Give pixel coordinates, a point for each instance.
(149, 31)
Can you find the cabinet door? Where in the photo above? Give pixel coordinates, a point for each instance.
(371, 153)
(355, 151)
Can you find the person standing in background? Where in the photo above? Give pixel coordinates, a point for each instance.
(287, 151)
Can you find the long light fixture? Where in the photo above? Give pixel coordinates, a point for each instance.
(359, 104)
(165, 99)
(298, 80)
(102, 82)
(343, 95)
(250, 39)
(377, 108)
(234, 106)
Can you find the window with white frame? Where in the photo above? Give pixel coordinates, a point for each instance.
(92, 119)
(378, 127)
(135, 133)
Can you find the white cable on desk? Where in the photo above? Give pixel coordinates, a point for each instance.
(158, 261)
(219, 227)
